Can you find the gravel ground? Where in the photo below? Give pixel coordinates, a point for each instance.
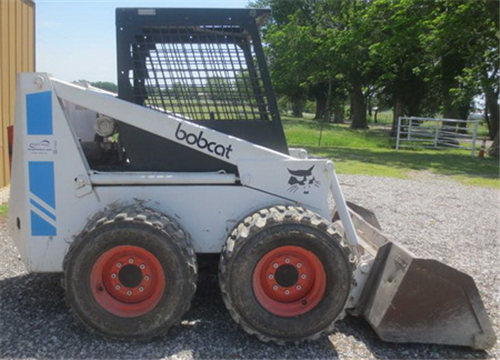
(453, 223)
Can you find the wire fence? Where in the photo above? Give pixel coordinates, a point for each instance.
(419, 132)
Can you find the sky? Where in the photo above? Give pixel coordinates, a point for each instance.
(75, 39)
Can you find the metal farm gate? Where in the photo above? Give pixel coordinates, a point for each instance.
(419, 132)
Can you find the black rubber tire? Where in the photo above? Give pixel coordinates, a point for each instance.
(264, 231)
(154, 232)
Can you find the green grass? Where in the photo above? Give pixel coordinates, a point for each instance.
(370, 152)
(202, 109)
(4, 209)
(305, 133)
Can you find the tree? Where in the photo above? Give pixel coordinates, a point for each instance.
(462, 37)
(482, 72)
(495, 147)
(291, 49)
(219, 88)
(348, 38)
(418, 56)
(105, 85)
(288, 56)
(399, 53)
(315, 47)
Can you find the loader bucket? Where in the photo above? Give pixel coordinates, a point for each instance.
(411, 300)
(414, 300)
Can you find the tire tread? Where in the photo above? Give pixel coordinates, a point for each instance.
(158, 221)
(250, 226)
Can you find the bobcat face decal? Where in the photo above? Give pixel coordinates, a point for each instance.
(302, 180)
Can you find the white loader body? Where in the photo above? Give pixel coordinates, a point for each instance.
(55, 193)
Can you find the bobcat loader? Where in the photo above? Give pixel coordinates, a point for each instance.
(123, 194)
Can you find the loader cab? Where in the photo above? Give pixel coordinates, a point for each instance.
(205, 66)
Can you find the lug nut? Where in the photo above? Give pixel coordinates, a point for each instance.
(131, 261)
(275, 265)
(142, 266)
(287, 292)
(303, 276)
(275, 287)
(129, 293)
(298, 287)
(287, 260)
(141, 289)
(118, 264)
(118, 287)
(271, 276)
(299, 265)
(113, 276)
(146, 278)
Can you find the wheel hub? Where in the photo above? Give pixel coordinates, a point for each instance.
(127, 281)
(286, 275)
(289, 281)
(130, 276)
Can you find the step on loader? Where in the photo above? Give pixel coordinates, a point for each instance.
(122, 193)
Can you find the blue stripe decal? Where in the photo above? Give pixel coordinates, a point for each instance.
(42, 209)
(42, 185)
(39, 113)
(40, 227)
(41, 174)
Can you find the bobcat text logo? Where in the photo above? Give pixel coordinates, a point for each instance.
(42, 145)
(302, 180)
(202, 143)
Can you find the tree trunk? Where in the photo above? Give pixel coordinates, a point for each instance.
(493, 111)
(320, 91)
(464, 110)
(327, 115)
(358, 108)
(397, 113)
(493, 150)
(338, 112)
(449, 111)
(450, 67)
(297, 106)
(320, 106)
(369, 105)
(487, 116)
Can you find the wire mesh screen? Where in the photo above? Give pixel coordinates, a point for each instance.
(199, 73)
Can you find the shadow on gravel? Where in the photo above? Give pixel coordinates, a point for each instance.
(35, 323)
(360, 330)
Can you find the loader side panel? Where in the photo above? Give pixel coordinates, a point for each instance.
(49, 176)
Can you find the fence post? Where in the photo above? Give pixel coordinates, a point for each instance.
(436, 138)
(410, 124)
(397, 133)
(474, 138)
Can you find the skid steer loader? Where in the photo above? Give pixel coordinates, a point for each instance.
(122, 194)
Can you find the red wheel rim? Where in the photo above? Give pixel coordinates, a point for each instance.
(127, 281)
(289, 281)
